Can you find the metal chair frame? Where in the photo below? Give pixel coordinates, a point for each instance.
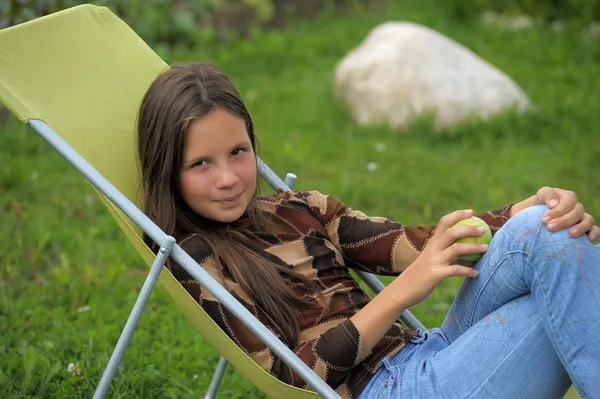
(168, 248)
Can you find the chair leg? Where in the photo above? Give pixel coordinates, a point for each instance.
(134, 317)
(216, 380)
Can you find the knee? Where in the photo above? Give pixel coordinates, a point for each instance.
(533, 213)
(527, 219)
(526, 229)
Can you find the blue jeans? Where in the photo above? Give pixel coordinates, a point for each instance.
(527, 327)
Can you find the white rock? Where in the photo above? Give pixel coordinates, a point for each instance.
(402, 70)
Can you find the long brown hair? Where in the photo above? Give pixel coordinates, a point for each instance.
(180, 95)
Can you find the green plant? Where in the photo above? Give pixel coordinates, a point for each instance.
(580, 11)
(68, 276)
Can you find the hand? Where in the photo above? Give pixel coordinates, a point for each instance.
(439, 258)
(566, 212)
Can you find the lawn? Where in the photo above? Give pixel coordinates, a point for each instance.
(68, 277)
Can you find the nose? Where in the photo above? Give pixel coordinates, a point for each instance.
(227, 177)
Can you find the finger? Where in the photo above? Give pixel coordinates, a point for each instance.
(458, 270)
(548, 196)
(566, 203)
(450, 219)
(457, 249)
(457, 232)
(594, 233)
(569, 219)
(584, 226)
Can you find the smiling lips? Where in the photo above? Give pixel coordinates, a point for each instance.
(230, 200)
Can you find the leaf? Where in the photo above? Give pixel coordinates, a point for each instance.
(29, 362)
(48, 344)
(76, 379)
(62, 275)
(263, 8)
(54, 370)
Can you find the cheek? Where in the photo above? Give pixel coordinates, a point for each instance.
(194, 187)
(247, 172)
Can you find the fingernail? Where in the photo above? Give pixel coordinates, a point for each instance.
(469, 211)
(484, 247)
(592, 238)
(552, 203)
(545, 219)
(574, 232)
(551, 226)
(480, 229)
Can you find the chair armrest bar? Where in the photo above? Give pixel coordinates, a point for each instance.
(376, 285)
(373, 282)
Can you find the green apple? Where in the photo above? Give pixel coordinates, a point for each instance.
(482, 239)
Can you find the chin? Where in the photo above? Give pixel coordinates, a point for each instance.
(230, 215)
(226, 215)
(229, 218)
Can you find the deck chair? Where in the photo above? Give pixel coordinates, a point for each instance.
(82, 73)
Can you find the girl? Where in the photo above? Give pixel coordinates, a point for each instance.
(525, 323)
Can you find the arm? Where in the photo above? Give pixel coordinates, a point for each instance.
(379, 245)
(436, 262)
(519, 206)
(375, 319)
(335, 347)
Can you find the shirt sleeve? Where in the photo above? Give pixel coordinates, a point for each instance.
(331, 354)
(376, 244)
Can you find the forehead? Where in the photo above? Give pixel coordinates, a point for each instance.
(219, 129)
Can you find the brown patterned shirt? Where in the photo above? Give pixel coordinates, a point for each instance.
(322, 239)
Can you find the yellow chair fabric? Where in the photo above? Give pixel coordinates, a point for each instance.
(83, 71)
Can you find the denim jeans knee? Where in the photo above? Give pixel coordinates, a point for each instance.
(526, 233)
(527, 219)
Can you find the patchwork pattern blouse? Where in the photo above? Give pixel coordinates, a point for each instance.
(321, 238)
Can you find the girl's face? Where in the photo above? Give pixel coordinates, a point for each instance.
(217, 176)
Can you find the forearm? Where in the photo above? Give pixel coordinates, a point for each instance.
(375, 319)
(519, 206)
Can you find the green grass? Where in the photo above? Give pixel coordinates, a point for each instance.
(60, 250)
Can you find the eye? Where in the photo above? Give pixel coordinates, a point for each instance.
(199, 163)
(238, 151)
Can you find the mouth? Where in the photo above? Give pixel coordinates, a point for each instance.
(230, 200)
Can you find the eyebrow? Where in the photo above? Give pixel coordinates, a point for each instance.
(245, 143)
